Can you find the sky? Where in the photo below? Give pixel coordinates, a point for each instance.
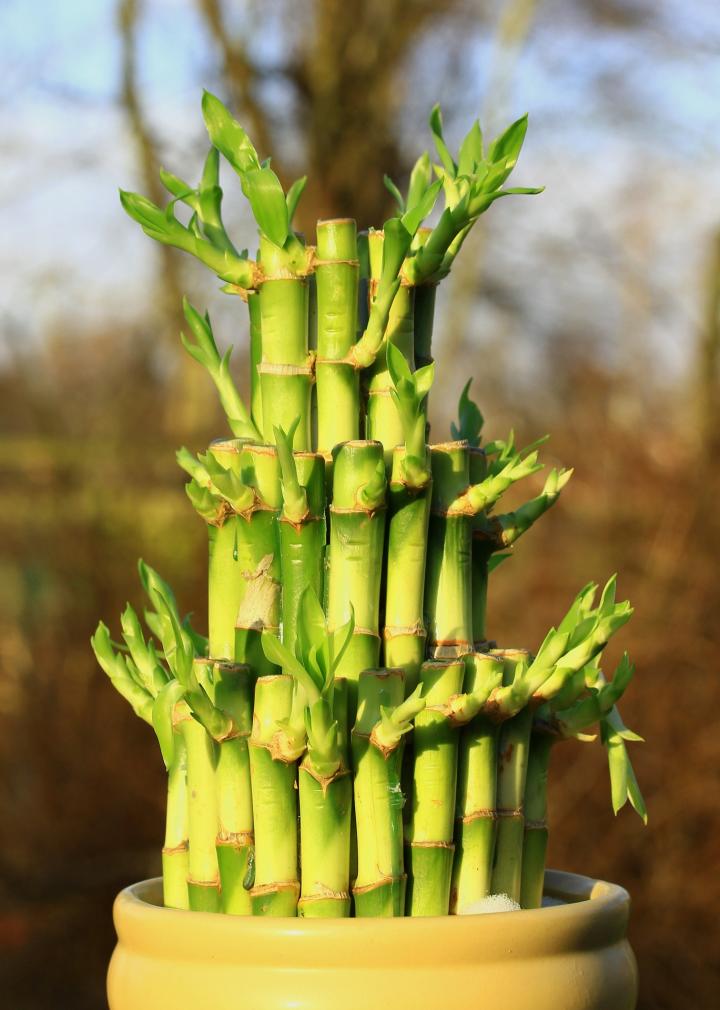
(625, 134)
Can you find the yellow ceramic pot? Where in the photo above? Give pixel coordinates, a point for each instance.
(573, 956)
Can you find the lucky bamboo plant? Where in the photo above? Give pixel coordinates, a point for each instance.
(348, 740)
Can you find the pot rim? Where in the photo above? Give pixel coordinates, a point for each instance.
(594, 915)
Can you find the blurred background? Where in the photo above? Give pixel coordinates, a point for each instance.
(592, 312)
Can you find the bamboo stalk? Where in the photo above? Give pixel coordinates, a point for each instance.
(404, 633)
(175, 867)
(480, 557)
(230, 688)
(285, 370)
(338, 386)
(203, 871)
(355, 554)
(326, 791)
(253, 302)
(383, 422)
(274, 793)
(435, 751)
(258, 560)
(513, 753)
(424, 316)
(379, 888)
(536, 829)
(448, 580)
(477, 792)
(302, 530)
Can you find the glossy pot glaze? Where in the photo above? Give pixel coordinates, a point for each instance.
(571, 956)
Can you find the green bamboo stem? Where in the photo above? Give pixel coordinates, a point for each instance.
(476, 795)
(302, 532)
(257, 556)
(355, 554)
(404, 633)
(203, 871)
(435, 753)
(253, 302)
(380, 885)
(424, 321)
(448, 580)
(481, 555)
(513, 754)
(285, 370)
(230, 687)
(175, 846)
(274, 794)
(326, 793)
(536, 828)
(383, 420)
(338, 387)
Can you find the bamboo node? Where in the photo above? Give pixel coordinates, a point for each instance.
(173, 850)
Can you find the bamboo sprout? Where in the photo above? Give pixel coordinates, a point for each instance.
(325, 785)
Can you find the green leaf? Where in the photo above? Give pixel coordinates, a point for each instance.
(394, 192)
(227, 135)
(116, 668)
(263, 190)
(414, 217)
(423, 379)
(341, 639)
(279, 654)
(292, 198)
(420, 179)
(506, 148)
(436, 126)
(471, 150)
(206, 504)
(162, 718)
(397, 365)
(470, 419)
(496, 560)
(177, 187)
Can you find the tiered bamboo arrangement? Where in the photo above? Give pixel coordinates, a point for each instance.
(347, 740)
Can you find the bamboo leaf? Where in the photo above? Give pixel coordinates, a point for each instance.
(394, 192)
(423, 379)
(496, 560)
(414, 217)
(293, 196)
(115, 666)
(162, 718)
(420, 179)
(178, 188)
(397, 365)
(263, 190)
(279, 654)
(341, 639)
(470, 419)
(436, 126)
(227, 135)
(471, 150)
(506, 147)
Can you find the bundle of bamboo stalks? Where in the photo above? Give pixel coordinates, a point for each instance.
(346, 740)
